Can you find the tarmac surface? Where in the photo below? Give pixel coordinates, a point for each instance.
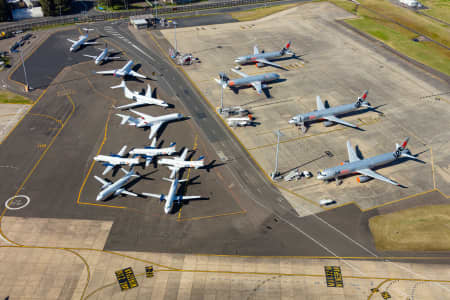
(244, 214)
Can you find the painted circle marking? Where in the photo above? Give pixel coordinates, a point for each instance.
(20, 201)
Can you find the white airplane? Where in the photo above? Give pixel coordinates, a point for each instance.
(109, 188)
(102, 57)
(146, 99)
(124, 71)
(148, 121)
(113, 160)
(82, 40)
(180, 162)
(172, 196)
(151, 151)
(240, 121)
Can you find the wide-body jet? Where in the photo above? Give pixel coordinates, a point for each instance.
(365, 166)
(145, 120)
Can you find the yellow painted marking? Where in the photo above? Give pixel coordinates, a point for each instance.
(42, 145)
(48, 117)
(214, 216)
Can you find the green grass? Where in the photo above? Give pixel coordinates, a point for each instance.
(399, 38)
(437, 8)
(11, 98)
(424, 228)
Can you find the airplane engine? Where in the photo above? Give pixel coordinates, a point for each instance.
(362, 179)
(328, 123)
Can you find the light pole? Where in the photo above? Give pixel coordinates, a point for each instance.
(275, 173)
(176, 48)
(27, 87)
(221, 93)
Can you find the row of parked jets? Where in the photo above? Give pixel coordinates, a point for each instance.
(134, 156)
(355, 164)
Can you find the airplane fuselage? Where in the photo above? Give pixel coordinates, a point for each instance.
(117, 160)
(101, 57)
(143, 122)
(181, 163)
(125, 70)
(353, 167)
(253, 58)
(170, 198)
(144, 99)
(153, 151)
(78, 43)
(114, 188)
(267, 77)
(318, 115)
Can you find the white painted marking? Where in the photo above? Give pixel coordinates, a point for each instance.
(14, 197)
(140, 50)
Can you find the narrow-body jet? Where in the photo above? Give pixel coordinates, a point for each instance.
(145, 120)
(177, 163)
(150, 152)
(115, 188)
(263, 58)
(123, 72)
(102, 57)
(365, 166)
(329, 114)
(257, 81)
(114, 160)
(172, 197)
(82, 41)
(139, 99)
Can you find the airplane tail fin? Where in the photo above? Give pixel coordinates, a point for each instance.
(400, 150)
(125, 119)
(362, 100)
(286, 50)
(121, 85)
(250, 117)
(222, 80)
(153, 145)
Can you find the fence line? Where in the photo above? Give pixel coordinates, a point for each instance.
(120, 15)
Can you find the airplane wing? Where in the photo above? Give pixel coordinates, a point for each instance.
(91, 56)
(373, 174)
(351, 153)
(257, 85)
(148, 93)
(72, 41)
(107, 169)
(189, 197)
(125, 192)
(265, 61)
(154, 129)
(111, 57)
(239, 72)
(122, 151)
(255, 50)
(183, 155)
(136, 74)
(319, 103)
(126, 106)
(159, 196)
(337, 120)
(102, 181)
(107, 72)
(91, 43)
(174, 171)
(145, 116)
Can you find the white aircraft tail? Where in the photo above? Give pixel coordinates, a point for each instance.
(121, 85)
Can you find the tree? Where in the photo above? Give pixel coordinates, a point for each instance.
(55, 7)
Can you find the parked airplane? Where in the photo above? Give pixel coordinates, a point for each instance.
(172, 196)
(180, 162)
(257, 81)
(113, 160)
(148, 121)
(329, 114)
(102, 57)
(151, 151)
(124, 71)
(364, 166)
(240, 121)
(82, 41)
(146, 99)
(116, 188)
(262, 58)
